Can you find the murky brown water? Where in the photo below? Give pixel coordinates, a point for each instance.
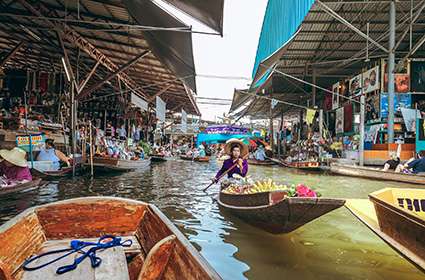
(336, 246)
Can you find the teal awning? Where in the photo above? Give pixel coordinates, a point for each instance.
(281, 22)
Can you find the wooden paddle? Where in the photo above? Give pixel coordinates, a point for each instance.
(222, 175)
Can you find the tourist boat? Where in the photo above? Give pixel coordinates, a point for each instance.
(397, 216)
(371, 173)
(118, 165)
(202, 159)
(275, 212)
(199, 159)
(158, 250)
(64, 172)
(157, 158)
(34, 184)
(304, 165)
(260, 162)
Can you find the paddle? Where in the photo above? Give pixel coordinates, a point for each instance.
(222, 175)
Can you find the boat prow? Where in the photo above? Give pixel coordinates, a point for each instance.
(34, 184)
(274, 211)
(158, 249)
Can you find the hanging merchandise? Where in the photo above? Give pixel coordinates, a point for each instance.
(348, 118)
(274, 103)
(51, 83)
(43, 82)
(339, 123)
(310, 116)
(335, 96)
(409, 116)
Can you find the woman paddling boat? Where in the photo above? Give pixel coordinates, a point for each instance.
(14, 168)
(237, 163)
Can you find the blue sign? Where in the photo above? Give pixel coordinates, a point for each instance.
(401, 100)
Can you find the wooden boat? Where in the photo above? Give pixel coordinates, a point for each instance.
(157, 158)
(274, 211)
(108, 164)
(183, 157)
(370, 173)
(397, 216)
(303, 165)
(258, 162)
(158, 250)
(198, 159)
(64, 172)
(34, 184)
(202, 159)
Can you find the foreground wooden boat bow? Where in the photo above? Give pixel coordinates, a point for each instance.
(159, 250)
(274, 211)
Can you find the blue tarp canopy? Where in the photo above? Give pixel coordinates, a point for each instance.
(221, 133)
(281, 23)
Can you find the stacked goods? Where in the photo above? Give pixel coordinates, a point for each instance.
(246, 187)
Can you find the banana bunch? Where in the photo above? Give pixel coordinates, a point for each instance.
(266, 186)
(257, 187)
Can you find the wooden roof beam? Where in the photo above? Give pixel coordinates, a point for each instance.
(11, 54)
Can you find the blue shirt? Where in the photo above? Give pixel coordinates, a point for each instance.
(418, 165)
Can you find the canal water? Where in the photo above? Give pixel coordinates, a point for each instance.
(335, 246)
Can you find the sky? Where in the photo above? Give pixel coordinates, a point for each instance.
(230, 55)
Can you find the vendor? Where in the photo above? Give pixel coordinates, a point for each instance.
(237, 151)
(201, 151)
(13, 167)
(49, 153)
(392, 163)
(260, 154)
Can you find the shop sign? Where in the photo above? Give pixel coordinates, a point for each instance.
(371, 80)
(37, 141)
(401, 100)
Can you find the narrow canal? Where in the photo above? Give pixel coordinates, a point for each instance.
(336, 246)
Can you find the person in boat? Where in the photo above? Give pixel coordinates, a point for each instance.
(14, 168)
(260, 153)
(49, 153)
(201, 151)
(392, 163)
(237, 151)
(415, 166)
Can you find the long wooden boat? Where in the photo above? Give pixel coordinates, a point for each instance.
(303, 165)
(183, 157)
(202, 159)
(34, 184)
(158, 250)
(397, 216)
(64, 172)
(370, 173)
(158, 158)
(259, 162)
(106, 164)
(274, 211)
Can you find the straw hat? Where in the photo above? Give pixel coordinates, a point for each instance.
(242, 146)
(16, 156)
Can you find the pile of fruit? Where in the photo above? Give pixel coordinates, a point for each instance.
(267, 186)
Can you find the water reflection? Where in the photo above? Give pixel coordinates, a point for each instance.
(336, 246)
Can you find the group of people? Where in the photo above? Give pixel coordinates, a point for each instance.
(414, 165)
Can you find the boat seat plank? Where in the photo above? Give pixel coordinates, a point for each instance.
(364, 210)
(113, 266)
(51, 245)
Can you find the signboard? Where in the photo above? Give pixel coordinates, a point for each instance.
(335, 96)
(356, 85)
(339, 122)
(139, 102)
(160, 109)
(183, 126)
(371, 80)
(401, 100)
(417, 70)
(37, 141)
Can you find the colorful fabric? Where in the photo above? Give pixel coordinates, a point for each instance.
(228, 163)
(15, 173)
(310, 116)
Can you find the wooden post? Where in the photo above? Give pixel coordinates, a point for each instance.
(361, 127)
(73, 132)
(271, 126)
(91, 149)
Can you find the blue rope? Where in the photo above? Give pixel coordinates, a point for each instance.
(78, 246)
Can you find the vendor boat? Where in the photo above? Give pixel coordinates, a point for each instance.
(34, 184)
(304, 165)
(260, 162)
(158, 158)
(158, 250)
(184, 157)
(108, 164)
(274, 211)
(202, 159)
(397, 216)
(376, 174)
(64, 172)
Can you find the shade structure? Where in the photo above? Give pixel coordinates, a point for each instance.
(221, 133)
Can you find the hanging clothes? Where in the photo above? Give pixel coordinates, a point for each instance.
(43, 82)
(310, 116)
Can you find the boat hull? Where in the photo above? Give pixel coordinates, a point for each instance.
(37, 229)
(369, 173)
(64, 172)
(261, 163)
(34, 184)
(271, 213)
(118, 165)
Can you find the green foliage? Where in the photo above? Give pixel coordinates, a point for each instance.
(146, 147)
